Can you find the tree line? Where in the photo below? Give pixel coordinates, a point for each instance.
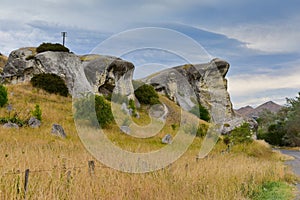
(282, 128)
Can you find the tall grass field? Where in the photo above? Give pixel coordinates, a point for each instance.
(58, 168)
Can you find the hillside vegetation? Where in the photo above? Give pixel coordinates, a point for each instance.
(59, 167)
(3, 60)
(282, 128)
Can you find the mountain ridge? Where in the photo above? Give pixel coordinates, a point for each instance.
(249, 111)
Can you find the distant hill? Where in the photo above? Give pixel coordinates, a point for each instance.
(254, 112)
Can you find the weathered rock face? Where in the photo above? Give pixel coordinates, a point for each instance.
(99, 74)
(186, 85)
(206, 84)
(110, 74)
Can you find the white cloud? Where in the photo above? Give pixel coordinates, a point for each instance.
(278, 36)
(255, 89)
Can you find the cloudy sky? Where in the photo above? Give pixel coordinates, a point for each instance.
(260, 39)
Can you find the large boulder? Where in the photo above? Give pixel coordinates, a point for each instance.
(34, 122)
(10, 125)
(101, 74)
(189, 85)
(109, 74)
(58, 130)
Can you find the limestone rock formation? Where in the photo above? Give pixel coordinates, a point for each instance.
(187, 85)
(96, 73)
(206, 84)
(109, 74)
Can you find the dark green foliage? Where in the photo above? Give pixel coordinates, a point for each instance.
(174, 126)
(292, 137)
(90, 105)
(226, 140)
(283, 129)
(3, 95)
(201, 112)
(37, 112)
(241, 134)
(50, 83)
(131, 105)
(146, 94)
(51, 47)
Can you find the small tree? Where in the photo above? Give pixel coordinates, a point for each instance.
(241, 134)
(201, 112)
(37, 112)
(146, 94)
(3, 95)
(131, 105)
(85, 108)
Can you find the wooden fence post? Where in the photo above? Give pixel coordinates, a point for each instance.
(91, 167)
(26, 182)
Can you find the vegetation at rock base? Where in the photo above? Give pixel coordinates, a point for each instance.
(87, 106)
(37, 112)
(283, 128)
(201, 112)
(51, 47)
(146, 94)
(3, 61)
(59, 167)
(3, 95)
(50, 83)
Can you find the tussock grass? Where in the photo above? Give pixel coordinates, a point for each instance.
(59, 168)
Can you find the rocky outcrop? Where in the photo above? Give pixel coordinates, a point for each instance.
(187, 85)
(97, 73)
(109, 74)
(206, 84)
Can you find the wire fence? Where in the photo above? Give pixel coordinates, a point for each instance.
(90, 165)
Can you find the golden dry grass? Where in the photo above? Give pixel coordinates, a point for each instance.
(59, 168)
(3, 60)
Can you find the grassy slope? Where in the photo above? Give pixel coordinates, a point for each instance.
(236, 175)
(3, 60)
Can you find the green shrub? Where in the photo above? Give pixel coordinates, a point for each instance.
(37, 112)
(201, 112)
(226, 140)
(241, 134)
(14, 119)
(51, 47)
(86, 107)
(131, 106)
(146, 94)
(202, 130)
(3, 95)
(50, 83)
